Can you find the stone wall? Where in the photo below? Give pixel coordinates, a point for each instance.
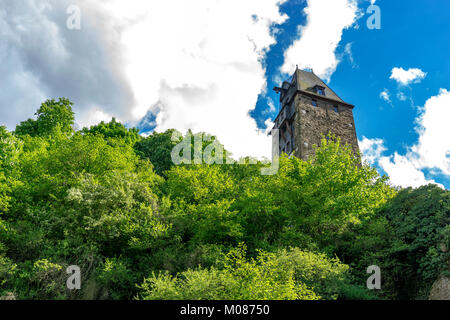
(311, 122)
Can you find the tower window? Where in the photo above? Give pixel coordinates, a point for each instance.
(319, 90)
(314, 103)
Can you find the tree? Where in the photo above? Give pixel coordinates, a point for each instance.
(117, 213)
(158, 148)
(418, 249)
(116, 130)
(311, 202)
(200, 201)
(92, 198)
(50, 115)
(10, 149)
(269, 276)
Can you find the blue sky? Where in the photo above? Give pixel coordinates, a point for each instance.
(413, 34)
(211, 65)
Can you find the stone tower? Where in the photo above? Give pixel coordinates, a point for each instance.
(309, 108)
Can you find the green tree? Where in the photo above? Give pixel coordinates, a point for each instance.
(80, 200)
(10, 149)
(199, 204)
(311, 202)
(51, 166)
(239, 278)
(158, 148)
(418, 247)
(117, 213)
(115, 130)
(92, 198)
(50, 115)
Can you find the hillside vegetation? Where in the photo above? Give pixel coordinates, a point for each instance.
(112, 202)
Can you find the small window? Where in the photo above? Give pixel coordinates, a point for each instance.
(314, 103)
(336, 109)
(321, 91)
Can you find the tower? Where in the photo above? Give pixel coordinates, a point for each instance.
(308, 110)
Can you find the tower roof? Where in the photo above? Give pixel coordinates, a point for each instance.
(309, 82)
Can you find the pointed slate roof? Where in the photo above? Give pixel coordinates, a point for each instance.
(308, 81)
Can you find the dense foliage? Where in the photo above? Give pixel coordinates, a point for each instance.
(139, 227)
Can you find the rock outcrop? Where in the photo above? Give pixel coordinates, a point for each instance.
(440, 289)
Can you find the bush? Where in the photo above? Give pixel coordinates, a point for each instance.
(117, 277)
(285, 275)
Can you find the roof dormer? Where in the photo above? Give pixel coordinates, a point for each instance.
(320, 90)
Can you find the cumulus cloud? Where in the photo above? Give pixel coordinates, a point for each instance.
(432, 151)
(192, 64)
(403, 172)
(45, 59)
(371, 149)
(95, 116)
(319, 38)
(199, 70)
(406, 77)
(434, 131)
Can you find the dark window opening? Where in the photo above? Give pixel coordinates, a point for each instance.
(314, 103)
(336, 109)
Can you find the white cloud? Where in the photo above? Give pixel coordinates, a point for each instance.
(371, 149)
(93, 117)
(42, 58)
(319, 38)
(401, 96)
(197, 64)
(271, 104)
(403, 172)
(432, 151)
(385, 95)
(406, 77)
(434, 131)
(349, 53)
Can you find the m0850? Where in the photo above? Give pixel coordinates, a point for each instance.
(247, 309)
